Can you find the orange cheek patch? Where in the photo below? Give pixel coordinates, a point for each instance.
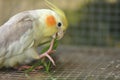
(50, 21)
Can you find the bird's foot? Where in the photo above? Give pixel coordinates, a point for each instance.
(25, 67)
(46, 54)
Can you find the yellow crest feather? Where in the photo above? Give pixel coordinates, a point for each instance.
(59, 12)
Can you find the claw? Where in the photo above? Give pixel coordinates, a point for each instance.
(46, 54)
(24, 67)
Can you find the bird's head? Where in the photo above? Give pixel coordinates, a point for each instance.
(55, 22)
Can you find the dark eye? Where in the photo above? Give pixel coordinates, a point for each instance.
(59, 24)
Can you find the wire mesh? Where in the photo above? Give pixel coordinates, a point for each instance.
(91, 23)
(98, 24)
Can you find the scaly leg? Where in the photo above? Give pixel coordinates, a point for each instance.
(24, 67)
(20, 68)
(46, 54)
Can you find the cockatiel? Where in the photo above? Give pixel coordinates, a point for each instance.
(23, 33)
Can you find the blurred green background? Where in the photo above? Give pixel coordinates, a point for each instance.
(91, 22)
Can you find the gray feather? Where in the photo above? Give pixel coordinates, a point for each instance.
(19, 37)
(15, 28)
(12, 32)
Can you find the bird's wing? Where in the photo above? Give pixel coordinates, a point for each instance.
(14, 29)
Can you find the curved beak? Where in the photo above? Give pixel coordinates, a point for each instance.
(59, 34)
